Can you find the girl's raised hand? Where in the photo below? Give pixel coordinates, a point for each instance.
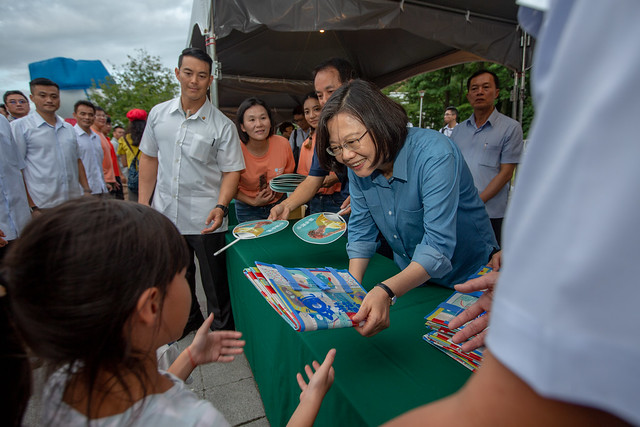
(218, 346)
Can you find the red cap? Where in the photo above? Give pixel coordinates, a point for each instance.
(136, 114)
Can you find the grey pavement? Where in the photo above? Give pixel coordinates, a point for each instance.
(230, 387)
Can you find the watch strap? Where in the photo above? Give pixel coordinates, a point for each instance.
(392, 295)
(225, 210)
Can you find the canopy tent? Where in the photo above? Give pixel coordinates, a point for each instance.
(269, 49)
(70, 74)
(73, 76)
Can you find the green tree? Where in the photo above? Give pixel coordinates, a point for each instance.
(142, 82)
(448, 86)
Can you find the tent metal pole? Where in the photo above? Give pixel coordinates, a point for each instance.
(210, 43)
(526, 43)
(514, 96)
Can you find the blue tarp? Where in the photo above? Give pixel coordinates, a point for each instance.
(69, 73)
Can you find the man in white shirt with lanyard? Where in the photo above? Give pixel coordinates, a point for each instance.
(54, 172)
(190, 163)
(91, 152)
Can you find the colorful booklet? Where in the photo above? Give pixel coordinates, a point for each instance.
(308, 299)
(441, 339)
(438, 322)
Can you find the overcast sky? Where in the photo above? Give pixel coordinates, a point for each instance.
(34, 30)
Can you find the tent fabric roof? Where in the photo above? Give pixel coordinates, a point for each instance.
(269, 49)
(69, 73)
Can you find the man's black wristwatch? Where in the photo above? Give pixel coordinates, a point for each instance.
(392, 296)
(225, 210)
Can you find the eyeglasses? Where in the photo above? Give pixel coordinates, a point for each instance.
(349, 145)
(16, 101)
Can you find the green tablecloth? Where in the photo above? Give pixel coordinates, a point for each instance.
(376, 379)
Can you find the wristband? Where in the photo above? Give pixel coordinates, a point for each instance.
(392, 296)
(225, 210)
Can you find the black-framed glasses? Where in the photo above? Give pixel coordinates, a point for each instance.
(349, 145)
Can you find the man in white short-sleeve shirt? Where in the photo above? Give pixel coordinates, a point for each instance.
(191, 162)
(53, 170)
(91, 152)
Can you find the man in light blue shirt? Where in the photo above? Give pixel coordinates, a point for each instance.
(491, 144)
(48, 145)
(89, 145)
(14, 207)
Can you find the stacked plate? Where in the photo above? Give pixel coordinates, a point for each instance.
(286, 183)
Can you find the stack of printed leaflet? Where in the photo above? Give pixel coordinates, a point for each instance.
(308, 299)
(286, 183)
(438, 322)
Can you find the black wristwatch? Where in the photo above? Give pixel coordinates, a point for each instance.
(392, 296)
(225, 210)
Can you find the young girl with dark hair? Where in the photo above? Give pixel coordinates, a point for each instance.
(98, 327)
(265, 156)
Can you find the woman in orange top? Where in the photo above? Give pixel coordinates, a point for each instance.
(328, 198)
(265, 156)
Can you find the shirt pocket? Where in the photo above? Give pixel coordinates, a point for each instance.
(411, 222)
(200, 147)
(490, 156)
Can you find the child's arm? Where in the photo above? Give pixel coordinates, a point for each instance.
(207, 347)
(313, 393)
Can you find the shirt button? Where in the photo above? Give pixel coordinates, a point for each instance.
(395, 236)
(390, 213)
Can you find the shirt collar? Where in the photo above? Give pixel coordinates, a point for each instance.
(81, 131)
(204, 113)
(400, 165)
(40, 121)
(491, 120)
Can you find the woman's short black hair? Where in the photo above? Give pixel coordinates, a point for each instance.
(385, 120)
(246, 104)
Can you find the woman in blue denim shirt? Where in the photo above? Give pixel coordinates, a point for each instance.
(413, 186)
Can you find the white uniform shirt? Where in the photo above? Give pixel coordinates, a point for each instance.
(51, 158)
(565, 314)
(192, 154)
(14, 207)
(92, 156)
